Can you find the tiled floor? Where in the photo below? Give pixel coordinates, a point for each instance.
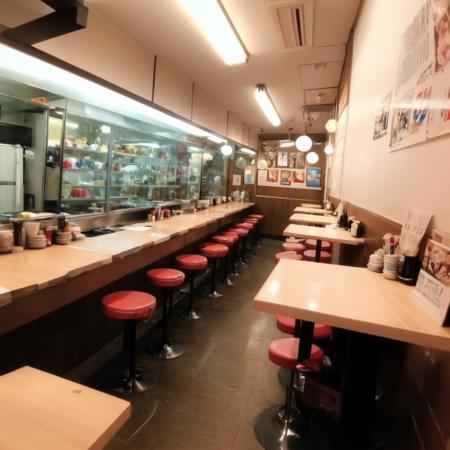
(208, 398)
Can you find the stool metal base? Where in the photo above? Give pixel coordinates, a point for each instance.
(168, 350)
(214, 294)
(145, 379)
(228, 282)
(273, 434)
(191, 314)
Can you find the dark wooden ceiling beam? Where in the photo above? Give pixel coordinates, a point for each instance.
(69, 16)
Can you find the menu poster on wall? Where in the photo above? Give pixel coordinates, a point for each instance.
(236, 180)
(439, 119)
(382, 118)
(414, 81)
(432, 290)
(313, 176)
(249, 175)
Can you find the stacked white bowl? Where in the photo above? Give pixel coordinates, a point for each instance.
(375, 263)
(390, 270)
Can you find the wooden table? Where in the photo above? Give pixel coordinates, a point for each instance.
(309, 210)
(367, 305)
(337, 235)
(311, 205)
(312, 219)
(353, 298)
(43, 411)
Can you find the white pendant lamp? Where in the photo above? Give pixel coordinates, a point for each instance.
(304, 143)
(312, 157)
(329, 149)
(226, 150)
(331, 126)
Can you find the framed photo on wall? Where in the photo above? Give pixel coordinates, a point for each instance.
(283, 159)
(285, 177)
(313, 177)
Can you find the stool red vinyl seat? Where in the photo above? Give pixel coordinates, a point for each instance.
(213, 250)
(311, 244)
(293, 247)
(166, 278)
(241, 232)
(128, 305)
(256, 216)
(131, 306)
(229, 242)
(251, 220)
(288, 255)
(223, 239)
(310, 255)
(284, 353)
(287, 325)
(247, 225)
(191, 263)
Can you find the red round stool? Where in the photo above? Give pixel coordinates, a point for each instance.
(214, 251)
(166, 279)
(234, 252)
(310, 255)
(260, 218)
(191, 263)
(228, 241)
(272, 426)
(294, 247)
(255, 231)
(131, 306)
(311, 244)
(287, 325)
(250, 227)
(288, 255)
(242, 233)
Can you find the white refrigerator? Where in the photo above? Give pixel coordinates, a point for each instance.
(11, 178)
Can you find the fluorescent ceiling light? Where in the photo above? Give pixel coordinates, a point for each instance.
(216, 139)
(32, 71)
(248, 151)
(213, 21)
(266, 105)
(287, 144)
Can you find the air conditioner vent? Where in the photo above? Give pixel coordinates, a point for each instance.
(294, 22)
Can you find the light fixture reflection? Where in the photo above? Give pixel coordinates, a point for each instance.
(312, 157)
(303, 143)
(226, 150)
(329, 149)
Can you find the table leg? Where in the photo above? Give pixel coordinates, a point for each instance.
(318, 249)
(358, 391)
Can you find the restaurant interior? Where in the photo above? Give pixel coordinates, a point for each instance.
(224, 224)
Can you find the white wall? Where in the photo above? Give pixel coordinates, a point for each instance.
(374, 178)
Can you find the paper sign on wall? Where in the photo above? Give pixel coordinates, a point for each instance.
(236, 180)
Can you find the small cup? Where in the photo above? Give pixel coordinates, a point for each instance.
(31, 228)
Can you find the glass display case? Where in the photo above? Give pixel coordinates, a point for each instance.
(214, 174)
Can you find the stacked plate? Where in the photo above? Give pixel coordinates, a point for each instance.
(390, 270)
(375, 263)
(63, 237)
(36, 242)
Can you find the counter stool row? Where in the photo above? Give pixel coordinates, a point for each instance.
(131, 306)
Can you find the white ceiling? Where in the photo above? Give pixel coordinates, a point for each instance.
(293, 78)
(163, 27)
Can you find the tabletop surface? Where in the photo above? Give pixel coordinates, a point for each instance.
(309, 210)
(43, 411)
(312, 219)
(326, 234)
(352, 298)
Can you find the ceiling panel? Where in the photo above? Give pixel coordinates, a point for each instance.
(317, 76)
(333, 21)
(321, 96)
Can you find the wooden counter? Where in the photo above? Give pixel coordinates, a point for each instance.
(352, 298)
(43, 411)
(36, 282)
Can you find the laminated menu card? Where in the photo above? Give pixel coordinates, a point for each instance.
(432, 290)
